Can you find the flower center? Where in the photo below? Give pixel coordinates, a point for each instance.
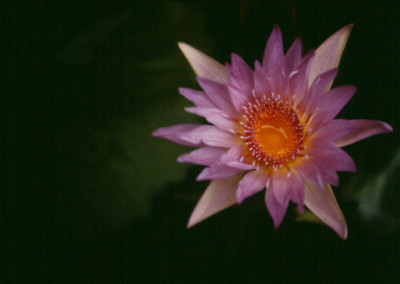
(272, 131)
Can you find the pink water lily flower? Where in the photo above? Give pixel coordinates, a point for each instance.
(272, 128)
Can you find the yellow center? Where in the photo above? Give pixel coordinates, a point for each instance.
(272, 132)
(273, 140)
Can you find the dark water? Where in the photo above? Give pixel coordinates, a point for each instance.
(87, 194)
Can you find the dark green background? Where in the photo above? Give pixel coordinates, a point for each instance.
(88, 196)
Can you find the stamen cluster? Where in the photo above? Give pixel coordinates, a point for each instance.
(272, 131)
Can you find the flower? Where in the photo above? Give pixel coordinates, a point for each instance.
(272, 128)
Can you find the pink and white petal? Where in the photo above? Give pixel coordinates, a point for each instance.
(209, 135)
(217, 171)
(363, 129)
(219, 195)
(233, 158)
(240, 74)
(216, 117)
(322, 202)
(273, 54)
(203, 65)
(250, 184)
(328, 54)
(176, 132)
(197, 97)
(203, 156)
(218, 94)
(275, 208)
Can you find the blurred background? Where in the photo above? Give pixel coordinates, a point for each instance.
(88, 195)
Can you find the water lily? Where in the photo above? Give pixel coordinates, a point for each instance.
(272, 128)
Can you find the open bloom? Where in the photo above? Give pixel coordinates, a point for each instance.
(272, 128)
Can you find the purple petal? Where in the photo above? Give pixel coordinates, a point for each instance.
(203, 65)
(310, 171)
(322, 83)
(293, 57)
(238, 98)
(217, 171)
(322, 203)
(216, 117)
(336, 99)
(273, 54)
(240, 74)
(334, 129)
(250, 184)
(363, 129)
(297, 193)
(232, 159)
(218, 94)
(261, 83)
(174, 133)
(203, 156)
(275, 208)
(328, 55)
(220, 194)
(197, 97)
(209, 135)
(281, 188)
(298, 84)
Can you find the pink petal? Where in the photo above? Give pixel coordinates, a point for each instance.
(293, 57)
(232, 159)
(297, 194)
(215, 116)
(210, 136)
(261, 83)
(322, 203)
(197, 97)
(240, 74)
(281, 187)
(203, 65)
(317, 89)
(273, 54)
(328, 55)
(174, 133)
(336, 99)
(322, 83)
(363, 129)
(217, 171)
(218, 94)
(310, 171)
(250, 184)
(238, 97)
(275, 208)
(203, 156)
(220, 194)
(298, 78)
(334, 129)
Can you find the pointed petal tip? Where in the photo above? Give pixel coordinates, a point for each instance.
(156, 133)
(192, 222)
(343, 236)
(202, 64)
(322, 202)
